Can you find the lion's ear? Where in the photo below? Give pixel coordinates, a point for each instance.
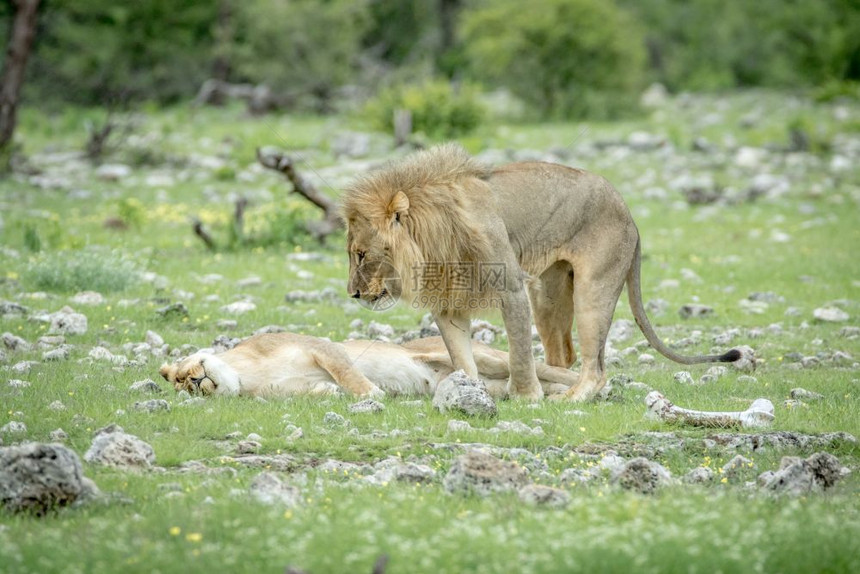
(398, 207)
(167, 371)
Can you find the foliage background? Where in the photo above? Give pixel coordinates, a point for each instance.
(571, 58)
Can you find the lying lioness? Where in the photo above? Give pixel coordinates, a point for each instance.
(284, 364)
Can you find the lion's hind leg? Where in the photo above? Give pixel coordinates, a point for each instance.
(551, 297)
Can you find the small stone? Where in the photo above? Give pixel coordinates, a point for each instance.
(13, 427)
(798, 477)
(482, 474)
(460, 393)
(747, 360)
(239, 307)
(748, 380)
(684, 378)
(57, 406)
(332, 419)
(18, 384)
(641, 475)
(248, 447)
(699, 475)
(154, 340)
(736, 466)
(59, 354)
(544, 496)
(120, 450)
(173, 310)
(67, 322)
(830, 315)
(145, 386)
(112, 171)
(717, 371)
(40, 477)
(459, 426)
(366, 406)
(253, 436)
(152, 405)
(802, 394)
(707, 379)
(695, 310)
(267, 488)
(59, 435)
(646, 359)
(380, 331)
(88, 298)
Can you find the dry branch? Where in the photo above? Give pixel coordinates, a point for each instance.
(203, 234)
(279, 161)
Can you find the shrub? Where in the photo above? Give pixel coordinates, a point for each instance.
(73, 271)
(439, 109)
(571, 58)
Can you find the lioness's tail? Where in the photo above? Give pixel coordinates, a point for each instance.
(634, 294)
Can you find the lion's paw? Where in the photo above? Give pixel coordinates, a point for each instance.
(528, 392)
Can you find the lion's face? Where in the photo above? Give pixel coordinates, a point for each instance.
(189, 375)
(373, 277)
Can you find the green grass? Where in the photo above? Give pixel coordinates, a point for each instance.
(53, 242)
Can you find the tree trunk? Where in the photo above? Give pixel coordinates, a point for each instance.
(224, 37)
(20, 41)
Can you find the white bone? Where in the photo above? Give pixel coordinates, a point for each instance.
(760, 413)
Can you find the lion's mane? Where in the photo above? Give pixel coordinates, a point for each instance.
(443, 184)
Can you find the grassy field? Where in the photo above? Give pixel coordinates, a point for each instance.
(70, 229)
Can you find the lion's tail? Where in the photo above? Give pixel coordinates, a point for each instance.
(634, 294)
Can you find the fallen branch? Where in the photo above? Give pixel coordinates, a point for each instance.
(279, 161)
(202, 233)
(760, 413)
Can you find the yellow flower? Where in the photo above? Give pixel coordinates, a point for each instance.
(175, 531)
(724, 480)
(193, 537)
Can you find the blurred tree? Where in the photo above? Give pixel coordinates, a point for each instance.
(713, 44)
(103, 51)
(566, 57)
(301, 47)
(20, 41)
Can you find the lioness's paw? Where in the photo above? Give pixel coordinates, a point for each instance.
(374, 393)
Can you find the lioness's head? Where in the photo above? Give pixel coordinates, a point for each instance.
(189, 374)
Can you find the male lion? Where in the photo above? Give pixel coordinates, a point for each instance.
(285, 364)
(563, 239)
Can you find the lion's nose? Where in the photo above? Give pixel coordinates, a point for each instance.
(357, 294)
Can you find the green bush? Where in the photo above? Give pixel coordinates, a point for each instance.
(439, 109)
(73, 271)
(303, 48)
(570, 58)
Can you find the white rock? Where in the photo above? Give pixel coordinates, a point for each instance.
(239, 307)
(88, 298)
(112, 171)
(830, 314)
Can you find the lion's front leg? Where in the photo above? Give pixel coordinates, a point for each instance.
(456, 331)
(515, 312)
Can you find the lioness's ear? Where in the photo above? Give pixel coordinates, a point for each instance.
(398, 207)
(167, 371)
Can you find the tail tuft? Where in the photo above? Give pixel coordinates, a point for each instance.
(730, 356)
